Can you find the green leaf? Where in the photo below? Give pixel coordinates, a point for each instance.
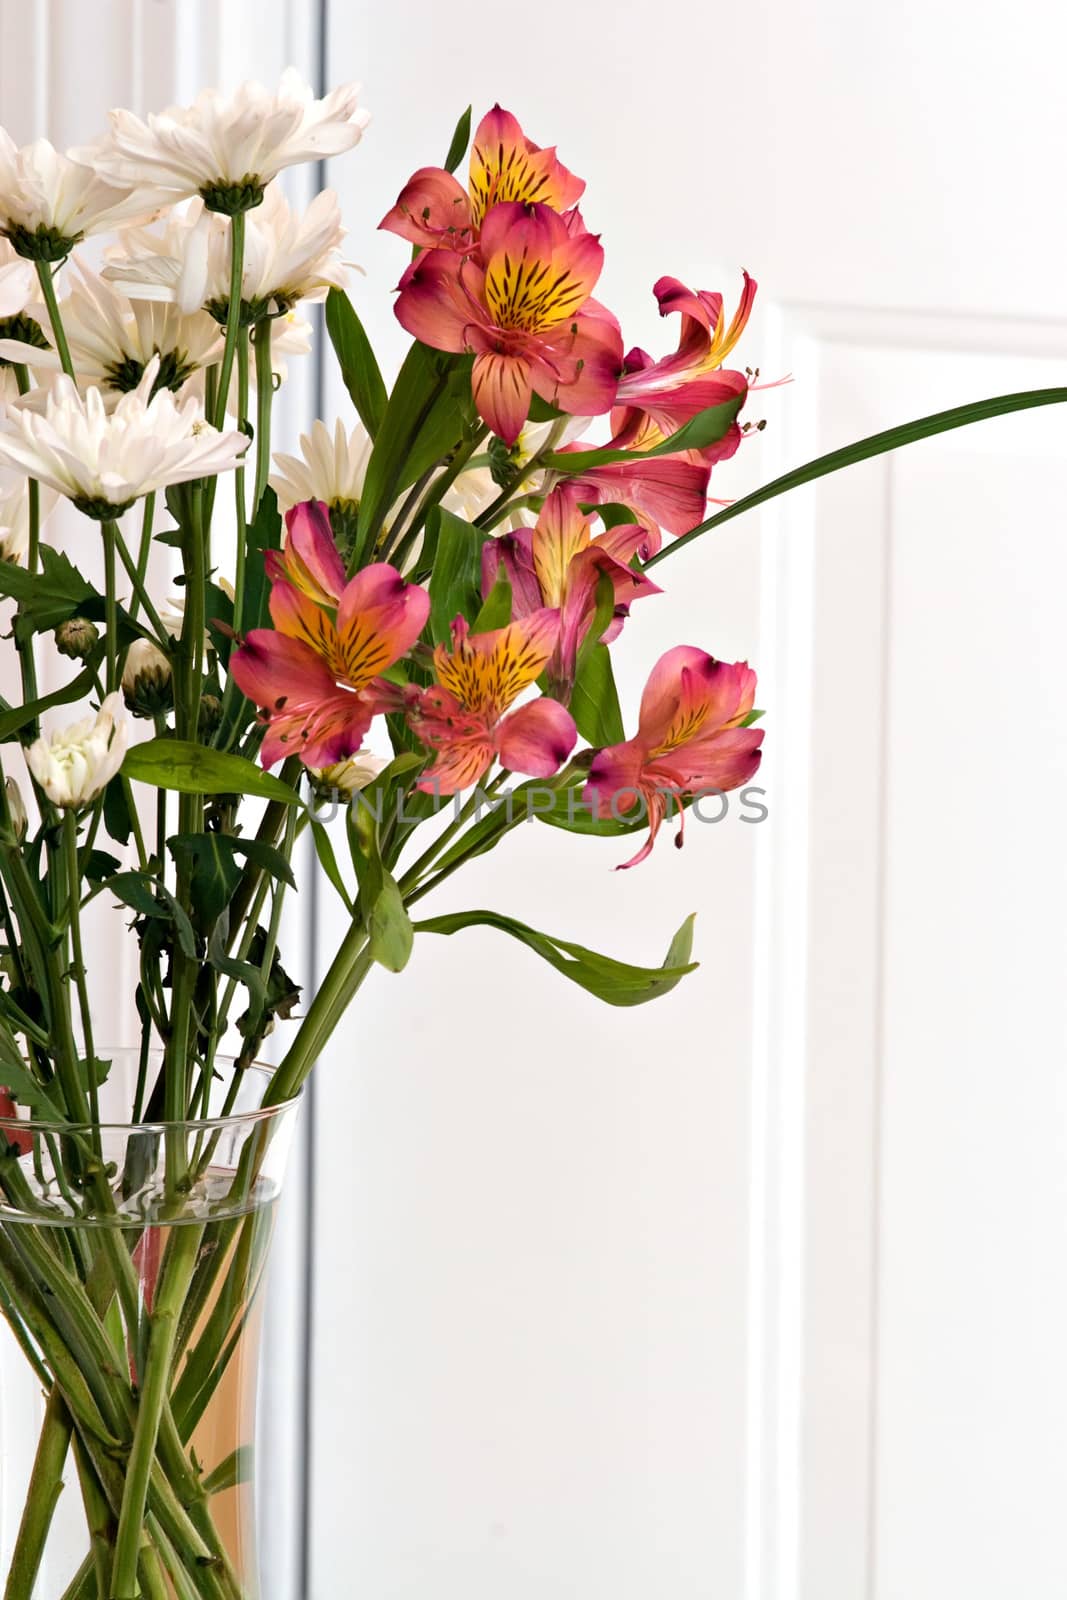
(149, 898)
(117, 818)
(387, 920)
(425, 417)
(455, 583)
(615, 982)
(707, 427)
(49, 596)
(875, 444)
(358, 363)
(460, 140)
(215, 869)
(328, 859)
(496, 612)
(235, 1469)
(243, 972)
(24, 1087)
(12, 722)
(194, 769)
(389, 927)
(264, 533)
(594, 703)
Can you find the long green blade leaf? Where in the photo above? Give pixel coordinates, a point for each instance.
(707, 427)
(616, 982)
(359, 366)
(875, 445)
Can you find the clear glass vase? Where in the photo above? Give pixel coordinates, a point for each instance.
(132, 1259)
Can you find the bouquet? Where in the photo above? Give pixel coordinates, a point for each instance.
(410, 655)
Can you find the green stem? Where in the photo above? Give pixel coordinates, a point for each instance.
(24, 644)
(347, 971)
(261, 337)
(42, 1495)
(240, 500)
(110, 532)
(48, 290)
(497, 508)
(141, 597)
(170, 1295)
(70, 849)
(433, 496)
(233, 316)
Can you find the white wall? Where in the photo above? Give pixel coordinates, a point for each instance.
(756, 1292)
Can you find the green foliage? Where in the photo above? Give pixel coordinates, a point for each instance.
(456, 580)
(192, 769)
(496, 612)
(615, 982)
(875, 444)
(460, 140)
(427, 415)
(149, 898)
(707, 427)
(215, 862)
(384, 914)
(12, 722)
(359, 366)
(49, 596)
(594, 700)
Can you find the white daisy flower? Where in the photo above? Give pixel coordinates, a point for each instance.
(288, 257)
(105, 461)
(18, 282)
(78, 761)
(329, 468)
(49, 201)
(15, 513)
(228, 147)
(112, 339)
(82, 759)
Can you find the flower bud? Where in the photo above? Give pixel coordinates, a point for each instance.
(77, 638)
(16, 809)
(147, 685)
(210, 715)
(346, 777)
(78, 761)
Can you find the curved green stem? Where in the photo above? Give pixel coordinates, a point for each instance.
(110, 532)
(48, 291)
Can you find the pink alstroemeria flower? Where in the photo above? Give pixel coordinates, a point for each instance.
(464, 716)
(656, 397)
(558, 564)
(525, 312)
(689, 739)
(437, 213)
(668, 492)
(314, 675)
(309, 560)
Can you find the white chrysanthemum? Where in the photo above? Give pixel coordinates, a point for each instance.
(78, 761)
(104, 462)
(330, 468)
(18, 282)
(350, 776)
(288, 256)
(112, 339)
(48, 202)
(15, 513)
(227, 147)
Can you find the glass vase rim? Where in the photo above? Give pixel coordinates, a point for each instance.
(51, 1125)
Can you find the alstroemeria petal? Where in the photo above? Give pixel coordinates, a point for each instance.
(537, 738)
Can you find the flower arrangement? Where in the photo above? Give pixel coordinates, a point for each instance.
(419, 619)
